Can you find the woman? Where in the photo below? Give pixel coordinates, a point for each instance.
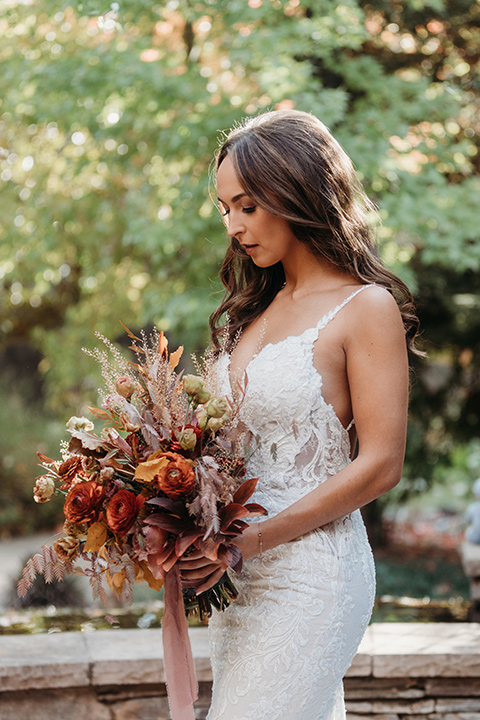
(321, 329)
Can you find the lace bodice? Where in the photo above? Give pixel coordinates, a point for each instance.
(281, 649)
(302, 441)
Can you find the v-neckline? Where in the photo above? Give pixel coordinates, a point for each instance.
(257, 354)
(344, 430)
(317, 327)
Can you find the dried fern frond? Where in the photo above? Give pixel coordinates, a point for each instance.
(47, 563)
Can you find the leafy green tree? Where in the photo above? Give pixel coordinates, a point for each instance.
(109, 119)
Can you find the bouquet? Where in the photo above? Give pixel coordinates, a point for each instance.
(164, 476)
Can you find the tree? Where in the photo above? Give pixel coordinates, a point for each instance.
(110, 117)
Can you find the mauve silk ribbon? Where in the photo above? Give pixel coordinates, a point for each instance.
(177, 652)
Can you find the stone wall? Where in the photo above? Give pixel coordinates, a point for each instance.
(410, 671)
(403, 671)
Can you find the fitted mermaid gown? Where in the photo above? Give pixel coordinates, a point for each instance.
(280, 651)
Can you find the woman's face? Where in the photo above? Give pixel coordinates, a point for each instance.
(266, 238)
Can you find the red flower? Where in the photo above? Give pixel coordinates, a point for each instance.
(122, 511)
(83, 502)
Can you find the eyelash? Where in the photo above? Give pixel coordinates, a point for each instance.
(246, 210)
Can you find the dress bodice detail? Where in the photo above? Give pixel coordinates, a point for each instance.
(302, 441)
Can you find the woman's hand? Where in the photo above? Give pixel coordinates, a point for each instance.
(199, 572)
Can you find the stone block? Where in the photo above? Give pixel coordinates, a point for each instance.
(129, 692)
(388, 716)
(445, 705)
(129, 657)
(153, 708)
(43, 661)
(400, 707)
(452, 687)
(391, 688)
(447, 716)
(133, 657)
(141, 709)
(426, 649)
(64, 704)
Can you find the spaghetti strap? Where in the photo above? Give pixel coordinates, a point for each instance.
(323, 322)
(330, 315)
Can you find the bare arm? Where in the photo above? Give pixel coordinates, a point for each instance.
(377, 371)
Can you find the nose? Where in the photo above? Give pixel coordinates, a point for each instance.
(235, 225)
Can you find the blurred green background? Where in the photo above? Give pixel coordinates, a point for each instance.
(109, 118)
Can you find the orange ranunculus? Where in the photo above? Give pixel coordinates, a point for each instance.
(175, 475)
(69, 468)
(122, 511)
(83, 502)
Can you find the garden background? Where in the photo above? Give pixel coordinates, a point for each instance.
(109, 117)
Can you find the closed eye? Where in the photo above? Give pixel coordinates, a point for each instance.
(249, 209)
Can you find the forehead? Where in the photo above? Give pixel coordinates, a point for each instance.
(228, 185)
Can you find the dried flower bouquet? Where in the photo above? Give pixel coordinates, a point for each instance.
(165, 475)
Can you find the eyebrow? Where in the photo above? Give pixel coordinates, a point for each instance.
(234, 199)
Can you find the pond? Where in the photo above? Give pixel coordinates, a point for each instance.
(148, 615)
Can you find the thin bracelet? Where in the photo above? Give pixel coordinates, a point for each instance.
(260, 542)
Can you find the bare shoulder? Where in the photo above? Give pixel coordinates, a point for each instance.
(375, 303)
(374, 313)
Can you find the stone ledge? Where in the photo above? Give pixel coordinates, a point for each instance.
(425, 649)
(403, 671)
(133, 657)
(38, 661)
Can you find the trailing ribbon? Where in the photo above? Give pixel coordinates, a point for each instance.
(180, 677)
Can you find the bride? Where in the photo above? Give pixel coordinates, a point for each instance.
(321, 330)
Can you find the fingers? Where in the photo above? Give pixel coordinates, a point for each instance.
(212, 580)
(192, 563)
(204, 575)
(196, 571)
(191, 578)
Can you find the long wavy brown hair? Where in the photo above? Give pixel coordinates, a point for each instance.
(291, 166)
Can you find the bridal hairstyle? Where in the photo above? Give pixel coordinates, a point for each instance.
(292, 167)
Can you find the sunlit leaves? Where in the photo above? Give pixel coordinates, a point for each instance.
(109, 119)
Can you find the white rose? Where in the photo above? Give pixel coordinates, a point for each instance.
(192, 384)
(79, 424)
(217, 407)
(44, 489)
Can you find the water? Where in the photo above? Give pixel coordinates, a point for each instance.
(407, 609)
(148, 615)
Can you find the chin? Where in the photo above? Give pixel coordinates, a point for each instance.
(264, 263)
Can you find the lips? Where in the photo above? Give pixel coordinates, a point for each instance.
(249, 248)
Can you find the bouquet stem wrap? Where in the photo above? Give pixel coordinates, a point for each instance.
(177, 652)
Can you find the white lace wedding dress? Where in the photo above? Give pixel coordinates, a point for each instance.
(280, 651)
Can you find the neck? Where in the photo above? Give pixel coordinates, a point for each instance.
(306, 273)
